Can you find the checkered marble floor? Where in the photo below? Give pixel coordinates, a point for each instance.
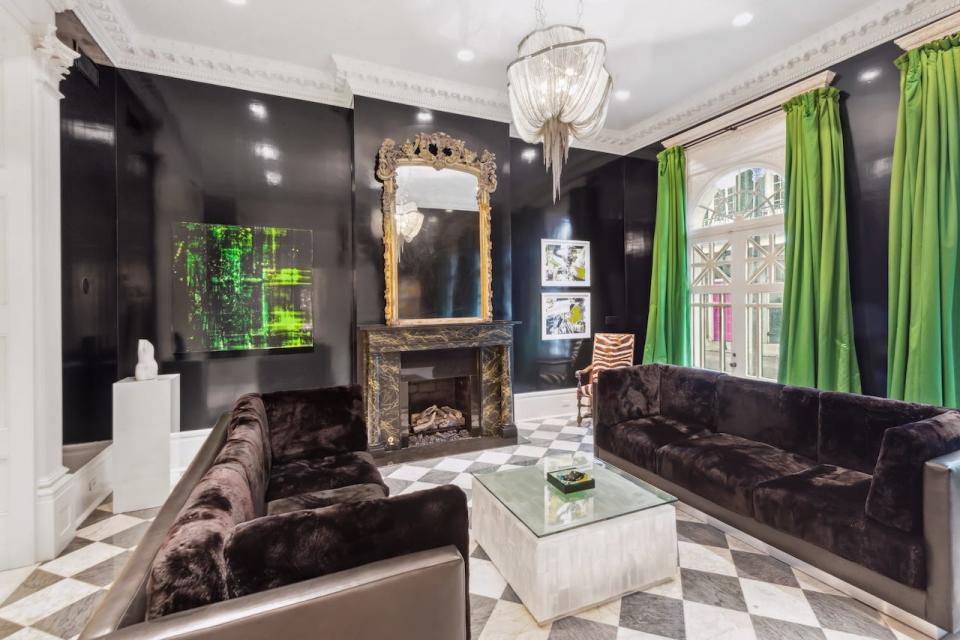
(724, 588)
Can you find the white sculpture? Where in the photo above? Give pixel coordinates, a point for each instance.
(146, 365)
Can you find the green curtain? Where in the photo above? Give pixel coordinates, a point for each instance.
(816, 342)
(924, 312)
(668, 324)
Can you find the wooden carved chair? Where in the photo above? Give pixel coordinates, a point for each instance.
(610, 350)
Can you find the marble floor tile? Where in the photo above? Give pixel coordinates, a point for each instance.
(82, 559)
(409, 472)
(11, 580)
(31, 634)
(564, 445)
(770, 629)
(709, 559)
(669, 589)
(763, 567)
(630, 634)
(653, 614)
(417, 485)
(39, 605)
(8, 628)
(480, 609)
(128, 538)
(580, 629)
(69, 621)
(452, 464)
(37, 580)
(108, 527)
(485, 580)
(704, 622)
(701, 534)
(530, 451)
(841, 613)
(736, 544)
(713, 589)
(509, 621)
(809, 583)
(777, 601)
(608, 613)
(494, 457)
(104, 573)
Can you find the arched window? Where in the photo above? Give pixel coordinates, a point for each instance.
(737, 262)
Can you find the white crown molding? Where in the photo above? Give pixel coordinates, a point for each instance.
(420, 90)
(53, 57)
(880, 22)
(751, 110)
(939, 29)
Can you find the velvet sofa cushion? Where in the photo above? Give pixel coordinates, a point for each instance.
(725, 468)
(322, 474)
(189, 569)
(282, 549)
(852, 427)
(249, 410)
(896, 494)
(317, 499)
(781, 416)
(638, 440)
(314, 423)
(689, 395)
(824, 505)
(625, 393)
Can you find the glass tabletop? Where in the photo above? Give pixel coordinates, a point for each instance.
(546, 510)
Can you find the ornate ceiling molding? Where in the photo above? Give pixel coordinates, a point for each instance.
(53, 57)
(882, 21)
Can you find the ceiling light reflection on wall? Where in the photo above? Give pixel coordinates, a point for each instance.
(274, 178)
(869, 75)
(266, 151)
(529, 155)
(622, 94)
(424, 116)
(258, 110)
(742, 19)
(465, 55)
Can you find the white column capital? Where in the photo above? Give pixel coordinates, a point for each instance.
(53, 57)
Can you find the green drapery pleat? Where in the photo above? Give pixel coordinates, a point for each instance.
(924, 312)
(668, 324)
(816, 342)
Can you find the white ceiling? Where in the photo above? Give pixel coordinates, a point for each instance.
(666, 53)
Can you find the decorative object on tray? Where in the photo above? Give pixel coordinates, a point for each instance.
(435, 418)
(571, 480)
(565, 316)
(564, 263)
(610, 350)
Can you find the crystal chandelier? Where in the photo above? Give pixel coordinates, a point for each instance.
(558, 88)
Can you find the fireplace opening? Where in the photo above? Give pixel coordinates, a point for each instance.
(439, 396)
(442, 404)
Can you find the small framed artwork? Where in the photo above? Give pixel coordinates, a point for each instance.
(565, 316)
(564, 263)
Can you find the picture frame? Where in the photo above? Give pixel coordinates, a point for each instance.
(564, 263)
(565, 315)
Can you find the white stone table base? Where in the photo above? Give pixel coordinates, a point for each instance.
(568, 572)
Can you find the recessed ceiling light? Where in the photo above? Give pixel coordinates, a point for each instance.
(465, 55)
(237, 3)
(869, 75)
(529, 154)
(742, 19)
(266, 151)
(258, 110)
(622, 94)
(424, 116)
(274, 178)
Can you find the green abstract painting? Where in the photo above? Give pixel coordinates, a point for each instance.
(237, 288)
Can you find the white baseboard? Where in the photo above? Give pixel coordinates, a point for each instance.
(184, 446)
(545, 404)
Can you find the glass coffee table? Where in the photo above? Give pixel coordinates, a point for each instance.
(564, 553)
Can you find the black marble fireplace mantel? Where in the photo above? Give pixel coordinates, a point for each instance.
(380, 351)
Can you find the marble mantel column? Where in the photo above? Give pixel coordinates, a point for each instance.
(380, 349)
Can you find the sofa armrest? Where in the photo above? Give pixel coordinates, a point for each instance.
(315, 423)
(941, 530)
(625, 393)
(417, 596)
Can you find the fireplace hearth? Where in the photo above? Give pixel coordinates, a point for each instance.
(444, 384)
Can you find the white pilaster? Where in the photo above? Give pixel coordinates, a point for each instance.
(35, 512)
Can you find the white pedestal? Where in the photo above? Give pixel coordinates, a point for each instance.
(144, 415)
(565, 573)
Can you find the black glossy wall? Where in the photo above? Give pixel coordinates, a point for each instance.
(605, 199)
(868, 111)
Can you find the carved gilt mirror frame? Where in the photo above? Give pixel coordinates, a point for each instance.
(440, 151)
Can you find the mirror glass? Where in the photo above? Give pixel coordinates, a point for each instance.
(438, 243)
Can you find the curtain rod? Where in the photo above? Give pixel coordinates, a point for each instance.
(733, 127)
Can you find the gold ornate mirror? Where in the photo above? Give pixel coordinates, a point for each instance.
(436, 230)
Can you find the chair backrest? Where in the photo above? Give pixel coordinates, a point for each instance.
(611, 350)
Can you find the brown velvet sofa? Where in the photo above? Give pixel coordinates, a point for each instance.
(864, 488)
(282, 527)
